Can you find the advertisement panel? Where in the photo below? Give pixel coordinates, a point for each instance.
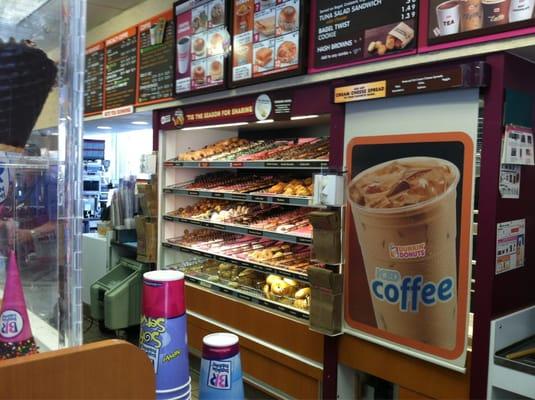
(350, 32)
(463, 19)
(408, 235)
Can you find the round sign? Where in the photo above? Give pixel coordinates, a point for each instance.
(262, 107)
(11, 324)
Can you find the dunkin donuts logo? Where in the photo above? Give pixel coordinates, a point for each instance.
(410, 292)
(407, 252)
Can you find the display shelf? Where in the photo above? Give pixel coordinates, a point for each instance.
(275, 164)
(271, 269)
(254, 197)
(244, 230)
(250, 298)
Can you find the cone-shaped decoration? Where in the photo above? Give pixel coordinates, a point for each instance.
(26, 77)
(16, 337)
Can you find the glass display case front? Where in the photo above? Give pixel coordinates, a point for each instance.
(40, 67)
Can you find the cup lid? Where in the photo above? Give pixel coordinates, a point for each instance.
(220, 339)
(167, 275)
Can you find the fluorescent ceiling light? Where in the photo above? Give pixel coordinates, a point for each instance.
(140, 123)
(304, 117)
(14, 11)
(266, 121)
(215, 126)
(104, 127)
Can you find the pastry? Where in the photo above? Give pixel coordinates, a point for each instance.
(198, 75)
(302, 304)
(216, 71)
(217, 14)
(265, 26)
(216, 43)
(272, 279)
(287, 52)
(199, 22)
(198, 47)
(287, 18)
(302, 293)
(27, 75)
(264, 56)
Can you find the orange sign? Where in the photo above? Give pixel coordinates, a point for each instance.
(359, 92)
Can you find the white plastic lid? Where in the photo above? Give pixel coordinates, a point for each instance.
(220, 339)
(164, 275)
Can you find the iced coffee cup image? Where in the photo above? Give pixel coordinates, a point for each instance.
(405, 217)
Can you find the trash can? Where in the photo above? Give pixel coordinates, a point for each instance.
(116, 297)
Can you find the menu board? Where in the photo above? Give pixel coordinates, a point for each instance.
(266, 38)
(201, 38)
(347, 32)
(121, 62)
(459, 19)
(94, 79)
(156, 59)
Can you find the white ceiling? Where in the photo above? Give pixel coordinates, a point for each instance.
(119, 124)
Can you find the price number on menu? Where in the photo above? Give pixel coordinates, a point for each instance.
(408, 10)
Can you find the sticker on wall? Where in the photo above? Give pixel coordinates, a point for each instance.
(510, 245)
(510, 181)
(517, 146)
(408, 235)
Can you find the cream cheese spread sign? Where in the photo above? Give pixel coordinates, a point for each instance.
(356, 30)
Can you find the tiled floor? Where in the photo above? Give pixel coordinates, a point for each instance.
(92, 333)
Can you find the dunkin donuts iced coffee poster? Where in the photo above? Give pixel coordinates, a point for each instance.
(408, 242)
(461, 19)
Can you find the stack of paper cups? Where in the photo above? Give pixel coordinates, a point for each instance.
(163, 333)
(221, 374)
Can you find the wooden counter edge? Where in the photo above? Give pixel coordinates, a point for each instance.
(408, 372)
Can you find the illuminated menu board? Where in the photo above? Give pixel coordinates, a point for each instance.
(266, 39)
(156, 59)
(201, 39)
(461, 19)
(94, 79)
(121, 63)
(349, 32)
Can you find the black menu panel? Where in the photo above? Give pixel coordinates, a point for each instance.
(121, 62)
(156, 59)
(94, 79)
(201, 42)
(266, 39)
(347, 32)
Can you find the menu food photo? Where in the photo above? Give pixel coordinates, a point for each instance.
(266, 38)
(349, 32)
(459, 19)
(202, 41)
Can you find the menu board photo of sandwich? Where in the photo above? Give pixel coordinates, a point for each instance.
(266, 38)
(459, 19)
(201, 40)
(351, 32)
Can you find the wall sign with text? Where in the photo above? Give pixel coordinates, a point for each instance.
(349, 32)
(461, 19)
(121, 65)
(94, 79)
(156, 38)
(408, 232)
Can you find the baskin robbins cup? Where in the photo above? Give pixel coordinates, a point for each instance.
(221, 374)
(405, 216)
(164, 333)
